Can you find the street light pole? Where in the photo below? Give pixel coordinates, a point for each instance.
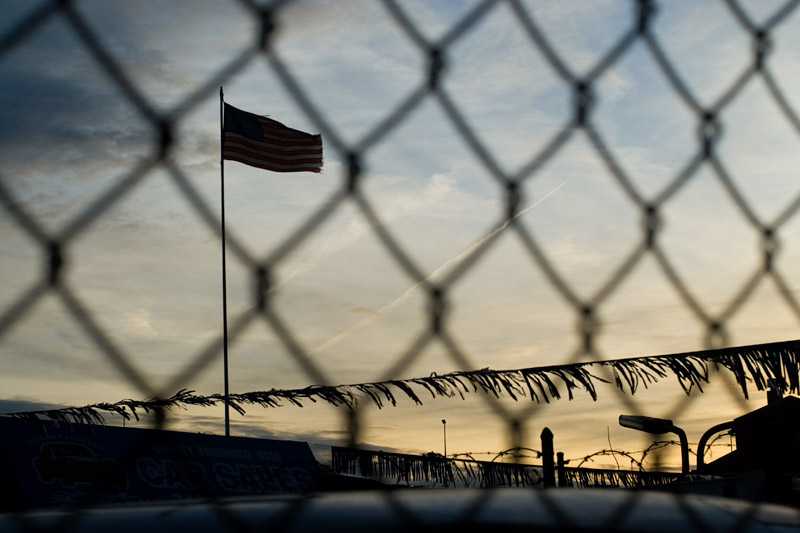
(659, 426)
(444, 428)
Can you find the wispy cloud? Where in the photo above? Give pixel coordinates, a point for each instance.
(463, 256)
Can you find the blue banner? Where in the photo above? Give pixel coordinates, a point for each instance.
(43, 463)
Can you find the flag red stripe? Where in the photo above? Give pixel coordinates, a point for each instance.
(283, 141)
(272, 158)
(275, 167)
(276, 155)
(312, 148)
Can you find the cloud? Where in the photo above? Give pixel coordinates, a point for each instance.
(399, 200)
(66, 121)
(139, 322)
(22, 405)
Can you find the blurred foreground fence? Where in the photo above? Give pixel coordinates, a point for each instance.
(57, 246)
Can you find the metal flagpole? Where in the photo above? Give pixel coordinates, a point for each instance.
(224, 283)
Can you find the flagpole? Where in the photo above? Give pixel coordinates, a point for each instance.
(224, 283)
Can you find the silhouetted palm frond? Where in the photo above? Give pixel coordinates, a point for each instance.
(775, 366)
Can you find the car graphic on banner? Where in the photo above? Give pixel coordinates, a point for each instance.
(46, 464)
(70, 463)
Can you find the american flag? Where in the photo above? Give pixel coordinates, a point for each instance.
(265, 143)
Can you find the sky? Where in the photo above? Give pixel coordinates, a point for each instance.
(148, 267)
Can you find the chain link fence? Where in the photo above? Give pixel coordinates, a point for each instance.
(54, 241)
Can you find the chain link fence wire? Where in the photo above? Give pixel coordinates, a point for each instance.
(162, 121)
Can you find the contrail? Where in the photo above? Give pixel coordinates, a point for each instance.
(469, 251)
(335, 242)
(433, 192)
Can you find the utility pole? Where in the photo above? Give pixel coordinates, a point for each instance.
(444, 428)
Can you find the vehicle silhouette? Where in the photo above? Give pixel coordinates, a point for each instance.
(70, 463)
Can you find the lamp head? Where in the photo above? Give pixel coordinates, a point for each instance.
(648, 424)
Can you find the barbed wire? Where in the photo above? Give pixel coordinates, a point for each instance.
(637, 457)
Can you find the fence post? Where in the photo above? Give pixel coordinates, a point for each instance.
(560, 463)
(548, 468)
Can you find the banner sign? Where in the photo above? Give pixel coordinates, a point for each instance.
(44, 463)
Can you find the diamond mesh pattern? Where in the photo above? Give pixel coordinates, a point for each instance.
(59, 244)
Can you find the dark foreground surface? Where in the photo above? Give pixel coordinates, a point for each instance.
(426, 510)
